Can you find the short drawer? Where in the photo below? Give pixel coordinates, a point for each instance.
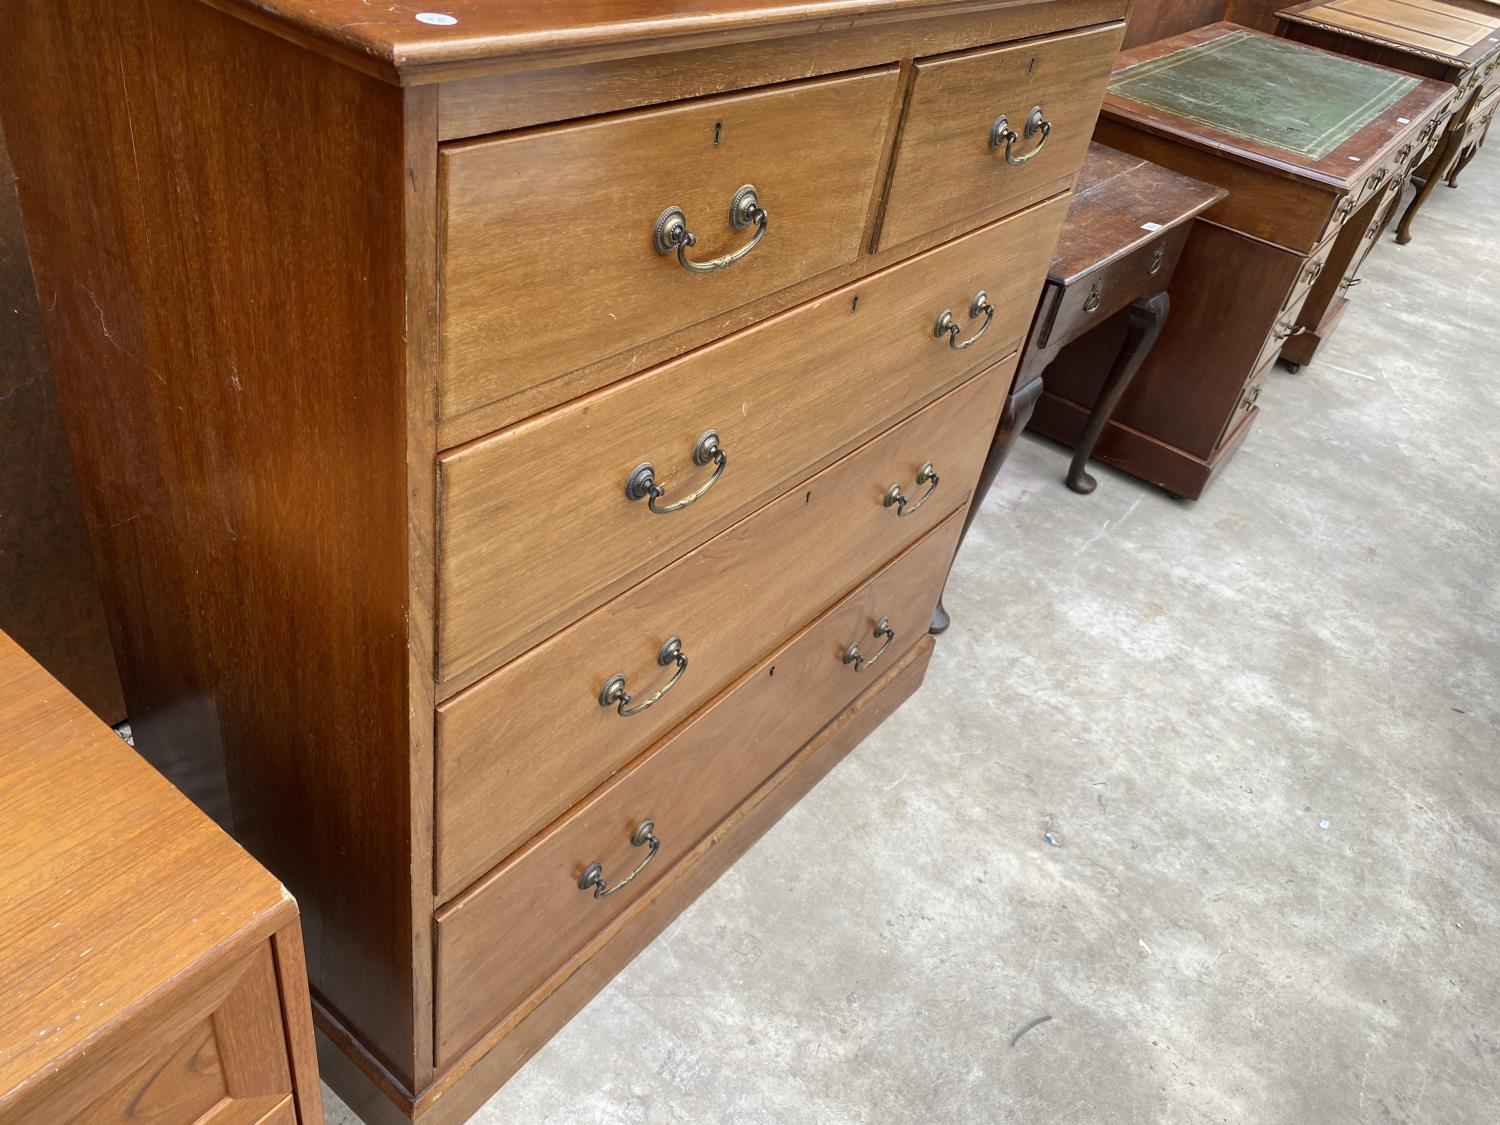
(506, 935)
(557, 243)
(547, 519)
(523, 744)
(1095, 297)
(990, 131)
(1284, 329)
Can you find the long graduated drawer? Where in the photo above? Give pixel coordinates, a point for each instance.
(536, 524)
(501, 940)
(523, 744)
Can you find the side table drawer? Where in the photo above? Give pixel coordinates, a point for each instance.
(523, 744)
(550, 252)
(506, 935)
(543, 521)
(1097, 296)
(956, 159)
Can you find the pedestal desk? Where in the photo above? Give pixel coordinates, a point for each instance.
(1457, 41)
(1230, 106)
(524, 443)
(152, 972)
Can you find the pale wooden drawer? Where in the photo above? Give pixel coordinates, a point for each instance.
(535, 523)
(947, 169)
(505, 936)
(549, 260)
(523, 744)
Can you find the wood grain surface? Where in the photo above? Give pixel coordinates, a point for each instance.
(548, 262)
(945, 167)
(786, 397)
(229, 350)
(523, 744)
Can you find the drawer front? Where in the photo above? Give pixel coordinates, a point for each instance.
(956, 161)
(550, 259)
(213, 1051)
(501, 940)
(523, 744)
(1096, 297)
(536, 523)
(1311, 271)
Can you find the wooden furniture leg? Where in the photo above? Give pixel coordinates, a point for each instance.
(1446, 154)
(1146, 316)
(1013, 419)
(1470, 151)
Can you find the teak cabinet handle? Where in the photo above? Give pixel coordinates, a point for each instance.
(642, 481)
(894, 497)
(613, 693)
(672, 232)
(945, 325)
(852, 653)
(1002, 133)
(593, 875)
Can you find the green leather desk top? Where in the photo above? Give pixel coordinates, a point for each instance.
(1272, 91)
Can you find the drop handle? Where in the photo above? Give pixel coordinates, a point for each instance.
(895, 498)
(614, 694)
(593, 875)
(642, 482)
(673, 236)
(946, 326)
(1002, 134)
(852, 655)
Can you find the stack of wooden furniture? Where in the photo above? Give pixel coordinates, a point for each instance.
(1310, 146)
(524, 445)
(152, 971)
(1455, 41)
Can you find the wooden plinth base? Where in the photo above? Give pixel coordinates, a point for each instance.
(1179, 472)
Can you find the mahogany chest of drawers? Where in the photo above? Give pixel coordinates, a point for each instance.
(525, 444)
(152, 971)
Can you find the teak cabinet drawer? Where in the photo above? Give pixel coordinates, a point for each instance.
(1096, 297)
(503, 938)
(551, 257)
(538, 523)
(956, 158)
(523, 744)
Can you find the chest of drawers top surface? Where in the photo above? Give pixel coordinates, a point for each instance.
(112, 885)
(1460, 34)
(1301, 112)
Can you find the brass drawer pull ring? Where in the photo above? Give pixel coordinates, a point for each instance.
(593, 875)
(945, 325)
(852, 654)
(613, 693)
(894, 497)
(1286, 333)
(1002, 133)
(642, 481)
(672, 232)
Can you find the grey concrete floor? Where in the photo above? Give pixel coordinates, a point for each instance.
(1264, 730)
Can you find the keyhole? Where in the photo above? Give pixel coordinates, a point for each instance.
(718, 129)
(854, 304)
(1031, 65)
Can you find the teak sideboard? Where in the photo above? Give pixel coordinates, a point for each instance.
(151, 970)
(524, 443)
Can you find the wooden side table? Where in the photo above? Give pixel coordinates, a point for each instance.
(1119, 246)
(152, 970)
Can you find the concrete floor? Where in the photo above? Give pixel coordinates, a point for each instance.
(1264, 731)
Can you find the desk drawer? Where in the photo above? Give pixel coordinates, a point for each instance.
(523, 744)
(1311, 270)
(1096, 297)
(507, 934)
(948, 170)
(550, 259)
(537, 525)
